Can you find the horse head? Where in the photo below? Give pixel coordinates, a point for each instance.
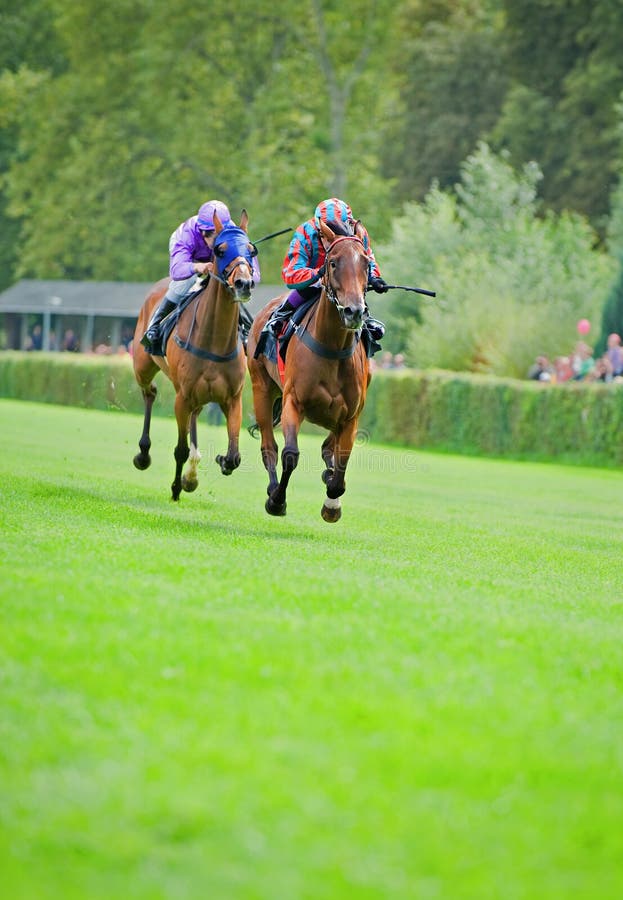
(345, 277)
(233, 256)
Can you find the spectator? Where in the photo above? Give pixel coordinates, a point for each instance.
(602, 370)
(582, 361)
(541, 369)
(562, 369)
(35, 341)
(614, 354)
(399, 361)
(70, 342)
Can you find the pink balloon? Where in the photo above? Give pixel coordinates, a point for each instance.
(584, 326)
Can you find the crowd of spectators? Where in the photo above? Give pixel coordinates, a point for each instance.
(581, 364)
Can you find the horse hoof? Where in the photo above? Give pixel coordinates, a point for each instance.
(189, 486)
(331, 513)
(142, 462)
(275, 509)
(225, 465)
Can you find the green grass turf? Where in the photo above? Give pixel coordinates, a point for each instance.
(200, 701)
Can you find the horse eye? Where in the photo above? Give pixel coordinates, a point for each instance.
(220, 250)
(333, 264)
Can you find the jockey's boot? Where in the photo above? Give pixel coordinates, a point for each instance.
(280, 315)
(375, 328)
(245, 320)
(151, 340)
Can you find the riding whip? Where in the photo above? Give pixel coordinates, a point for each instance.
(274, 234)
(401, 287)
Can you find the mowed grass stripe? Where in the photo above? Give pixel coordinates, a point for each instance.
(423, 700)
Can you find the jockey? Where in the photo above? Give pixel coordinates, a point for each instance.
(306, 256)
(191, 254)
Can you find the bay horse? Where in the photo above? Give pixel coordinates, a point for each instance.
(205, 358)
(326, 374)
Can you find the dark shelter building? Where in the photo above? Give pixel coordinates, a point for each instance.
(81, 315)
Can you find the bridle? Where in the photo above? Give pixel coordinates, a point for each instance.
(326, 281)
(226, 266)
(226, 263)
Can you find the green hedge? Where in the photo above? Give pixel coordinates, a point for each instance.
(574, 422)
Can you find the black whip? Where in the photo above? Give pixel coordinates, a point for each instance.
(401, 287)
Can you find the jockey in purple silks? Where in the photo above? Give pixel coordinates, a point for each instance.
(191, 254)
(306, 256)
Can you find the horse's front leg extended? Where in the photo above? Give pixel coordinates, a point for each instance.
(142, 460)
(234, 421)
(190, 478)
(332, 509)
(327, 452)
(181, 451)
(290, 423)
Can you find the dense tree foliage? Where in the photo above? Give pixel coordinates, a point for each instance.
(505, 276)
(117, 120)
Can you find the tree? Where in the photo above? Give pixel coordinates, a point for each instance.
(451, 85)
(157, 110)
(511, 283)
(567, 73)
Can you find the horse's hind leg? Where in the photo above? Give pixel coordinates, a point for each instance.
(265, 395)
(233, 413)
(190, 479)
(181, 451)
(336, 484)
(291, 422)
(142, 460)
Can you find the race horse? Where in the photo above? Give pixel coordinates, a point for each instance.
(205, 358)
(326, 374)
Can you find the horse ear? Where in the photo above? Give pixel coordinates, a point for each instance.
(327, 234)
(244, 219)
(358, 230)
(218, 227)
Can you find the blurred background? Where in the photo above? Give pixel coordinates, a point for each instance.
(480, 142)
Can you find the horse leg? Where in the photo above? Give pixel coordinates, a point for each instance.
(181, 452)
(264, 395)
(190, 479)
(343, 445)
(290, 423)
(328, 456)
(233, 413)
(142, 460)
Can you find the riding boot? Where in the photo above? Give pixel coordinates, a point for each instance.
(151, 340)
(280, 315)
(245, 321)
(375, 328)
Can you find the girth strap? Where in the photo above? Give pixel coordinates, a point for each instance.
(205, 354)
(325, 352)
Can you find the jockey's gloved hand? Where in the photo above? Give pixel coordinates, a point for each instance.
(379, 285)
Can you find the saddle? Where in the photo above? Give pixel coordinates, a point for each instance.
(277, 333)
(168, 324)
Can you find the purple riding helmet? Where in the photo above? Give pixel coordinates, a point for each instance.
(205, 216)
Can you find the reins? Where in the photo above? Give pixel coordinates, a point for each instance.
(223, 279)
(332, 296)
(301, 331)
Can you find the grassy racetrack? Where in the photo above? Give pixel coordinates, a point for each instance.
(200, 701)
